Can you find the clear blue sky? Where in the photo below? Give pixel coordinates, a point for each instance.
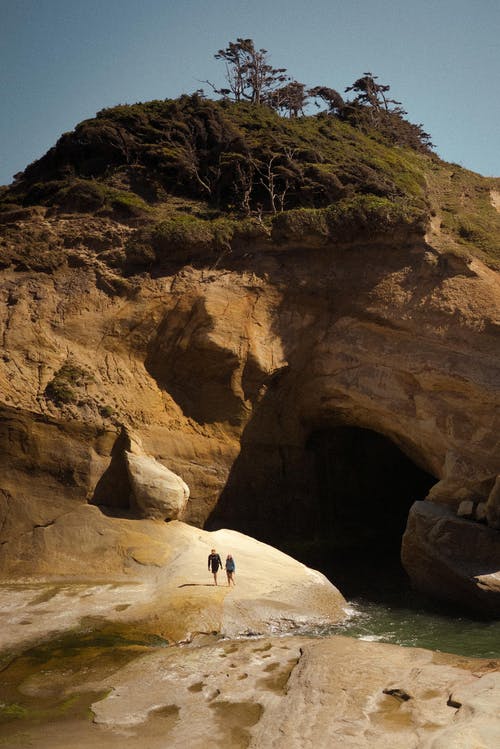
(63, 60)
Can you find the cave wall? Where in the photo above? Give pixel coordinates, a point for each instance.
(336, 487)
(225, 374)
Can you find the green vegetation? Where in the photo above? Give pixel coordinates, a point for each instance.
(12, 711)
(64, 386)
(87, 195)
(351, 218)
(177, 233)
(194, 178)
(234, 156)
(185, 237)
(198, 175)
(467, 217)
(107, 412)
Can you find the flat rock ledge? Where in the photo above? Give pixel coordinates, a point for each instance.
(155, 576)
(279, 693)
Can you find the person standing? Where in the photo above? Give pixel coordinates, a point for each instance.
(214, 564)
(230, 569)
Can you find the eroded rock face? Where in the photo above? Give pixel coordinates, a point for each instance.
(224, 374)
(453, 559)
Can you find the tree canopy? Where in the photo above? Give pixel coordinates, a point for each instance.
(249, 74)
(251, 77)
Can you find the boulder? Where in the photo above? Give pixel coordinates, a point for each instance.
(157, 492)
(465, 509)
(453, 559)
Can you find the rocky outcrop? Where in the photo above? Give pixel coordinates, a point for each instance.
(453, 559)
(153, 575)
(156, 492)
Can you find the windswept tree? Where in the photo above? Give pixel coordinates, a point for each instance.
(330, 96)
(373, 108)
(373, 94)
(249, 74)
(289, 99)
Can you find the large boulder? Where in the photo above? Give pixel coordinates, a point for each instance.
(156, 492)
(453, 559)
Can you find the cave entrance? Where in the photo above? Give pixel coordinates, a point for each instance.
(338, 502)
(364, 486)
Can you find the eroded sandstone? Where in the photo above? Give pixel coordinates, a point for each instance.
(225, 373)
(154, 575)
(268, 692)
(453, 559)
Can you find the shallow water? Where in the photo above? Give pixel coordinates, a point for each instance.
(48, 684)
(384, 608)
(411, 627)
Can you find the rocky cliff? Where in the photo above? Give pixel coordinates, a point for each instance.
(303, 375)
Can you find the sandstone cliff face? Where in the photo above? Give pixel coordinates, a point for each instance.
(223, 374)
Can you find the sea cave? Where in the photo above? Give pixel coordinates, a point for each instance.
(339, 503)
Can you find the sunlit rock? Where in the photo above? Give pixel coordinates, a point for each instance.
(157, 492)
(465, 509)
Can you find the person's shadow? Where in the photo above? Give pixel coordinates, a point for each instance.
(199, 585)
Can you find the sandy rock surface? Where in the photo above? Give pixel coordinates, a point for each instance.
(159, 581)
(268, 693)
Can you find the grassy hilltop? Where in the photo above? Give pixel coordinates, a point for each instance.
(194, 179)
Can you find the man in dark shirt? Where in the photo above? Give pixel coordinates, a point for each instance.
(214, 564)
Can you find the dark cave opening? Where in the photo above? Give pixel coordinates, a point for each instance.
(364, 488)
(338, 503)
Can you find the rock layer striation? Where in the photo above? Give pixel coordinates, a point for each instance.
(226, 356)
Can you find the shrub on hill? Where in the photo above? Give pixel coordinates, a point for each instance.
(361, 216)
(236, 157)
